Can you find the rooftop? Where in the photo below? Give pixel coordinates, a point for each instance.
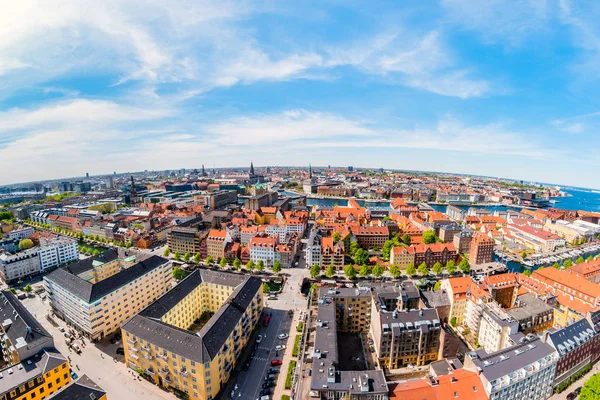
(82, 389)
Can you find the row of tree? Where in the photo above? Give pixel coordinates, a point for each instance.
(80, 235)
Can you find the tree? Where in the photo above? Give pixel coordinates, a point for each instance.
(395, 271)
(423, 269)
(437, 286)
(27, 289)
(568, 263)
(437, 268)
(336, 237)
(451, 267)
(524, 255)
(579, 260)
(276, 267)
(350, 272)
(315, 270)
(429, 237)
(591, 389)
(25, 244)
(223, 262)
(330, 271)
(527, 272)
(178, 273)
(354, 247)
(128, 245)
(364, 271)
(406, 239)
(210, 260)
(556, 265)
(464, 266)
(196, 258)
(96, 252)
(186, 257)
(378, 271)
(177, 255)
(453, 322)
(387, 249)
(250, 265)
(361, 257)
(411, 270)
(590, 258)
(237, 263)
(260, 265)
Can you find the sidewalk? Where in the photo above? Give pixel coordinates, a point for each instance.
(575, 385)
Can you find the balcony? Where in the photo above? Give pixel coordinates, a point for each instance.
(147, 357)
(162, 357)
(163, 372)
(145, 348)
(185, 374)
(134, 357)
(149, 372)
(168, 380)
(132, 341)
(133, 349)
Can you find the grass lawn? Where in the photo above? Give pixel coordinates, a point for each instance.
(290, 373)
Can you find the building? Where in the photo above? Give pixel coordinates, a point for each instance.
(222, 198)
(312, 251)
(532, 314)
(216, 241)
(82, 389)
(55, 252)
(495, 328)
(331, 380)
(589, 270)
(456, 213)
(482, 250)
(34, 368)
(22, 233)
(423, 253)
(14, 267)
(536, 239)
(184, 240)
(523, 371)
(503, 288)
(457, 289)
(457, 384)
(369, 237)
(98, 294)
(255, 203)
(462, 241)
(578, 345)
(448, 231)
(568, 283)
(352, 308)
(263, 248)
(166, 341)
(477, 297)
(331, 254)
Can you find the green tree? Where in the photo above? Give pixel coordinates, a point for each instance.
(437, 268)
(464, 266)
(27, 288)
(591, 389)
(437, 286)
(186, 257)
(411, 270)
(336, 237)
(568, 263)
(196, 258)
(354, 247)
(210, 260)
(524, 255)
(315, 270)
(364, 271)
(250, 265)
(276, 267)
(579, 260)
(96, 252)
(166, 252)
(451, 267)
(527, 272)
(395, 271)
(223, 262)
(590, 258)
(177, 255)
(25, 244)
(178, 273)
(260, 265)
(556, 265)
(378, 271)
(361, 257)
(350, 272)
(406, 239)
(423, 269)
(429, 237)
(453, 322)
(330, 271)
(237, 263)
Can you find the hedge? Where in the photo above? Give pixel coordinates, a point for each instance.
(300, 326)
(290, 373)
(296, 345)
(285, 397)
(562, 386)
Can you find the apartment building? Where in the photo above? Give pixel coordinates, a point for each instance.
(503, 288)
(523, 371)
(590, 270)
(462, 241)
(331, 380)
(477, 297)
(166, 342)
(495, 328)
(578, 345)
(263, 248)
(568, 283)
(216, 241)
(457, 289)
(34, 368)
(98, 294)
(312, 251)
(57, 252)
(353, 308)
(458, 383)
(532, 314)
(22, 233)
(482, 249)
(395, 296)
(536, 239)
(433, 253)
(23, 264)
(369, 237)
(184, 240)
(565, 230)
(448, 231)
(331, 254)
(456, 213)
(82, 389)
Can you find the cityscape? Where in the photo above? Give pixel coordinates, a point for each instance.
(279, 200)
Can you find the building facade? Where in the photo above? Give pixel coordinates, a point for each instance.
(14, 267)
(184, 240)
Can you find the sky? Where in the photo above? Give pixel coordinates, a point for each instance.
(497, 88)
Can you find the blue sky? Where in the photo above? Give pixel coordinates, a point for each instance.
(500, 88)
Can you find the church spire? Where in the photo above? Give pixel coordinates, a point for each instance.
(310, 171)
(203, 170)
(251, 168)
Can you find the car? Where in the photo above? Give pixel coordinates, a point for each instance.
(61, 329)
(259, 339)
(265, 392)
(74, 375)
(270, 377)
(67, 335)
(120, 351)
(571, 396)
(273, 370)
(275, 363)
(283, 336)
(267, 385)
(577, 391)
(279, 347)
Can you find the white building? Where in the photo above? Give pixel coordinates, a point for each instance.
(21, 265)
(20, 234)
(312, 253)
(495, 328)
(263, 249)
(57, 252)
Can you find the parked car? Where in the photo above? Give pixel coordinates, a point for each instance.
(259, 339)
(270, 377)
(74, 375)
(279, 347)
(265, 392)
(283, 336)
(267, 385)
(275, 363)
(273, 370)
(61, 329)
(120, 351)
(571, 396)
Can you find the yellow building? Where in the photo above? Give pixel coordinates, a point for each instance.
(457, 289)
(189, 340)
(565, 232)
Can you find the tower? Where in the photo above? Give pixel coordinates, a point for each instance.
(133, 193)
(203, 170)
(251, 168)
(309, 171)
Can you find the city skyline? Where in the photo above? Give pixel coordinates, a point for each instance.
(497, 89)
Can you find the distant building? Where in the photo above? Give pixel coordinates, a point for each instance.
(462, 241)
(184, 240)
(57, 252)
(456, 213)
(482, 250)
(14, 267)
(22, 233)
(222, 198)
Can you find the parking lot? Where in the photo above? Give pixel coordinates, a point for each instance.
(98, 361)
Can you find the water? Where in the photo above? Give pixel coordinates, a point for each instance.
(518, 267)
